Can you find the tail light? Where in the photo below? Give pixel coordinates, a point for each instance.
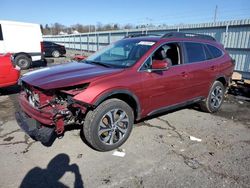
(42, 47)
(12, 59)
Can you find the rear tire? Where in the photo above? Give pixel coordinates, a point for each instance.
(23, 61)
(56, 53)
(215, 98)
(109, 125)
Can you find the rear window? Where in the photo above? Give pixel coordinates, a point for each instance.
(47, 43)
(1, 33)
(214, 51)
(195, 52)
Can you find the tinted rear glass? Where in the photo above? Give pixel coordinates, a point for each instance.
(214, 51)
(207, 52)
(1, 33)
(47, 43)
(195, 52)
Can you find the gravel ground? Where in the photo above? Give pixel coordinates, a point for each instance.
(159, 152)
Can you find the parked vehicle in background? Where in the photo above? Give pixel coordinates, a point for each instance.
(9, 72)
(53, 49)
(23, 40)
(78, 57)
(131, 79)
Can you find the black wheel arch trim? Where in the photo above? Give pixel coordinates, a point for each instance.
(218, 77)
(108, 94)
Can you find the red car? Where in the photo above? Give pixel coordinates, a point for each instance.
(9, 73)
(131, 79)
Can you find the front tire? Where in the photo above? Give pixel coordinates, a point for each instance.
(215, 98)
(109, 125)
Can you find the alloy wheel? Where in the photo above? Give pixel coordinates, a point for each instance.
(113, 126)
(216, 97)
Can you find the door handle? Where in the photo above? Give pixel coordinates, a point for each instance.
(184, 74)
(213, 68)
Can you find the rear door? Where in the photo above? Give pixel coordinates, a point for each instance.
(201, 68)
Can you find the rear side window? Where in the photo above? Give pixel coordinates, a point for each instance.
(1, 33)
(214, 51)
(207, 52)
(195, 52)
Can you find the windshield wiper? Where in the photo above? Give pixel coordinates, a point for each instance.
(97, 63)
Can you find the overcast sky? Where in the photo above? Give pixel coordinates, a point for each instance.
(122, 11)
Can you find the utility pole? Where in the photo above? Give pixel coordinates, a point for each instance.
(215, 13)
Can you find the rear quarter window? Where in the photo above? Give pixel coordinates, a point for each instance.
(214, 51)
(195, 52)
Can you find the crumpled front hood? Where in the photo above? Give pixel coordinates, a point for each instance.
(65, 75)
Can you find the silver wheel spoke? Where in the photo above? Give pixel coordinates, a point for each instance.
(111, 140)
(122, 115)
(213, 103)
(216, 103)
(121, 130)
(120, 135)
(216, 97)
(106, 139)
(110, 117)
(104, 130)
(124, 120)
(103, 125)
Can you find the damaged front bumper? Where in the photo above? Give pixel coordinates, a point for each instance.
(33, 128)
(43, 116)
(50, 117)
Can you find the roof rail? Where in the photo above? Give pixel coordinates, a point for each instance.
(141, 35)
(188, 35)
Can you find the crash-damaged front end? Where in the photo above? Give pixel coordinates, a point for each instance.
(46, 112)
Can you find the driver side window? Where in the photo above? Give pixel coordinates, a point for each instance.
(147, 64)
(169, 52)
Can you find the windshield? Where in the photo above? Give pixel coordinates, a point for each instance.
(123, 53)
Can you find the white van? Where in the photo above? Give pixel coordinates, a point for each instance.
(23, 40)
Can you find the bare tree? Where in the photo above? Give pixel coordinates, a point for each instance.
(128, 26)
(57, 27)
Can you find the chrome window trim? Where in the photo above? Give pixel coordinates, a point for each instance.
(184, 63)
(139, 69)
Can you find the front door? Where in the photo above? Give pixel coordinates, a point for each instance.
(163, 89)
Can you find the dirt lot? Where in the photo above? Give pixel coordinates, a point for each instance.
(159, 152)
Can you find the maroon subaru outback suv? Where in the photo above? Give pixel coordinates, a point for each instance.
(131, 79)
